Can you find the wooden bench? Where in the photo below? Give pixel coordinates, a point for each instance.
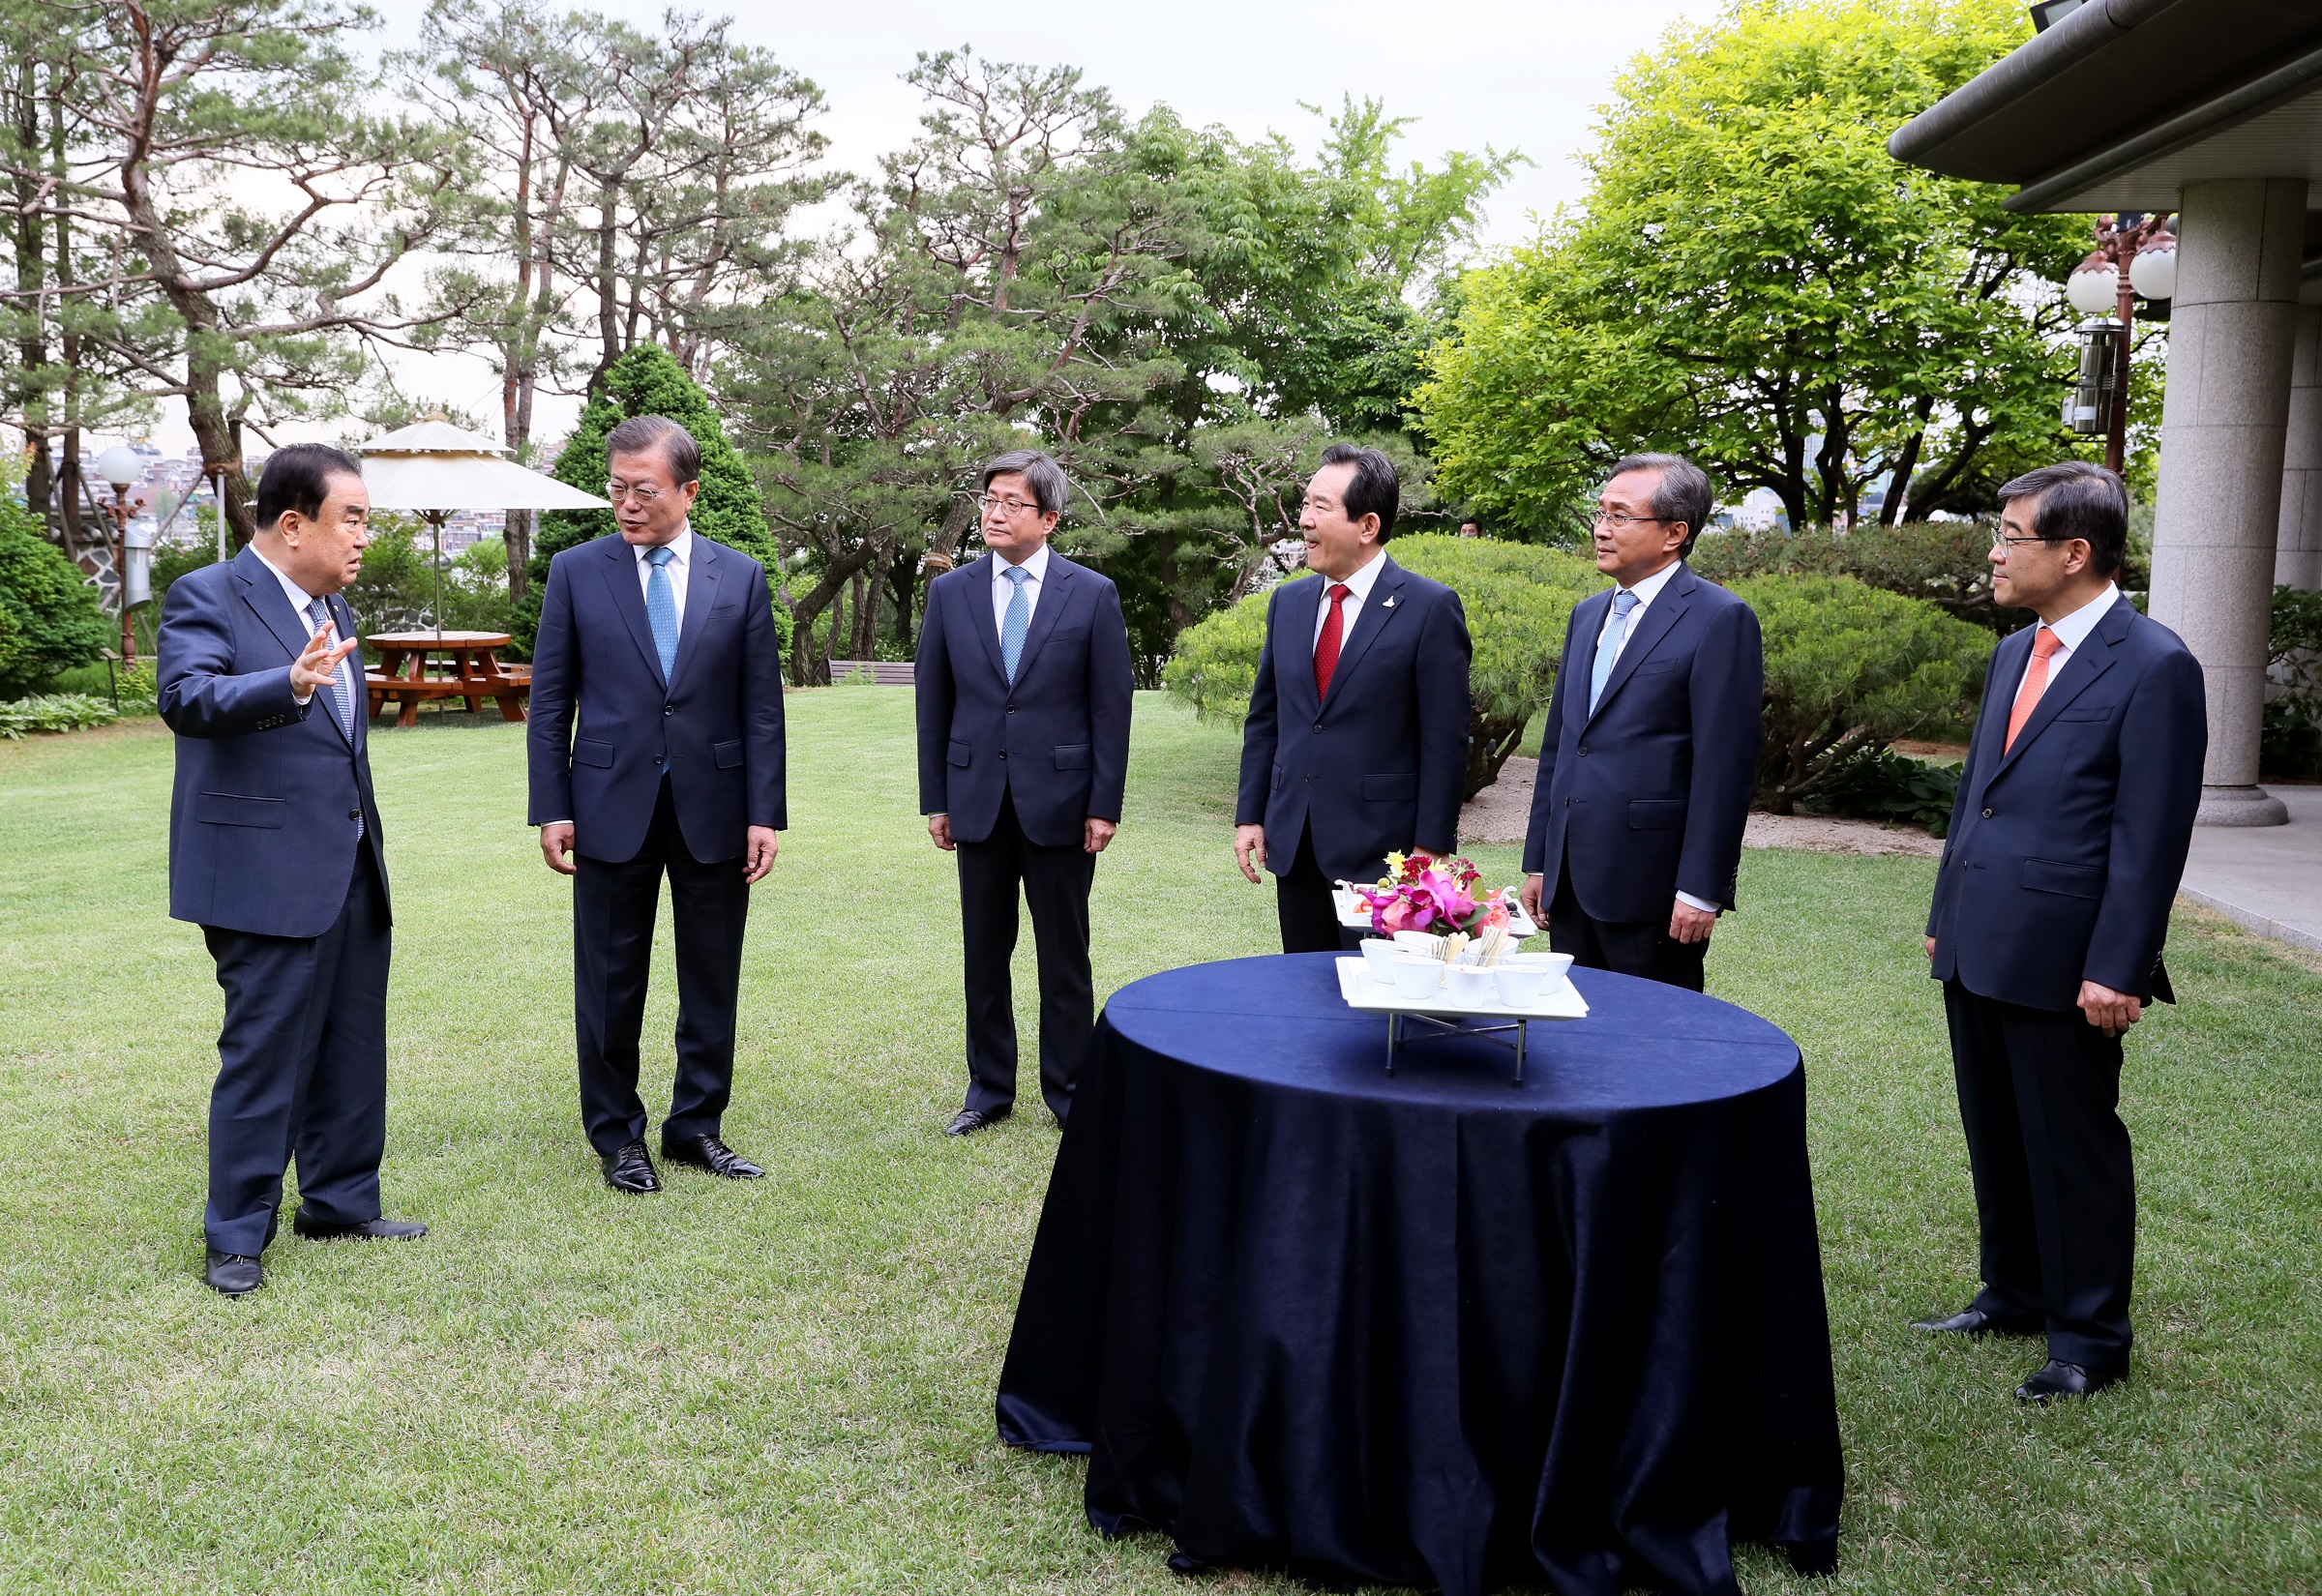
(882, 672)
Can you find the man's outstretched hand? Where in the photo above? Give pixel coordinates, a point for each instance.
(317, 664)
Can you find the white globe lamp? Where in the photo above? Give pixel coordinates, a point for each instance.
(2094, 288)
(120, 469)
(2154, 272)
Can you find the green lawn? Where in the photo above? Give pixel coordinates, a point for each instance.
(787, 1385)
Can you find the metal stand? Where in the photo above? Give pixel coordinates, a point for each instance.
(1395, 1037)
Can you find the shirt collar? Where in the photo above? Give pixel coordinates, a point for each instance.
(2072, 629)
(298, 596)
(1035, 566)
(1650, 588)
(1360, 583)
(680, 547)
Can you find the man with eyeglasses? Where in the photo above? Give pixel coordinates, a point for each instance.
(1024, 686)
(2070, 834)
(662, 645)
(1356, 745)
(1651, 749)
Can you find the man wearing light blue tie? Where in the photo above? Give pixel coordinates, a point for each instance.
(1024, 686)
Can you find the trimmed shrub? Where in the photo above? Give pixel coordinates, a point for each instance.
(1849, 667)
(1947, 563)
(1886, 785)
(1518, 599)
(649, 381)
(51, 619)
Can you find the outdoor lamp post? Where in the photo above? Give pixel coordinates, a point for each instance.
(121, 469)
(2135, 256)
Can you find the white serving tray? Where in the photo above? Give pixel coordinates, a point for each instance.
(1562, 1002)
(1355, 915)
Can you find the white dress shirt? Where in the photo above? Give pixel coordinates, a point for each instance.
(1647, 590)
(1358, 588)
(2072, 629)
(1035, 567)
(682, 548)
(300, 598)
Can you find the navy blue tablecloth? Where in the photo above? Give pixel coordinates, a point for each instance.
(1432, 1329)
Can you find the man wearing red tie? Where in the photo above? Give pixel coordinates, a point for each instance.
(2075, 812)
(1356, 741)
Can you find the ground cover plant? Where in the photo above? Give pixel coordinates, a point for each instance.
(787, 1386)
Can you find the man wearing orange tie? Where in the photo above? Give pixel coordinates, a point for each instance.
(2075, 812)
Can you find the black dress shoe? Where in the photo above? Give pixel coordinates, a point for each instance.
(630, 1168)
(707, 1152)
(2057, 1378)
(1973, 1321)
(967, 1121)
(369, 1229)
(230, 1274)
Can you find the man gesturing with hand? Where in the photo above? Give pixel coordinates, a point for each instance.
(2070, 834)
(656, 749)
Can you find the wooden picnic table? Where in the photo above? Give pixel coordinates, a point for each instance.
(466, 664)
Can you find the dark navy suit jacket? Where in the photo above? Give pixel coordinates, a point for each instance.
(1057, 742)
(2065, 850)
(714, 728)
(1377, 766)
(264, 822)
(1648, 796)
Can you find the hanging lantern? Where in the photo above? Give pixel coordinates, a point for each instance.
(2088, 407)
(2094, 287)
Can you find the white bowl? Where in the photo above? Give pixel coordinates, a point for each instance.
(1420, 943)
(1467, 984)
(1417, 977)
(1379, 959)
(1518, 985)
(1556, 965)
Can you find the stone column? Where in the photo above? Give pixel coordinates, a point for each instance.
(2222, 430)
(2297, 549)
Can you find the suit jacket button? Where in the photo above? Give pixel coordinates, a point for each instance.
(1584, 751)
(1003, 754)
(657, 758)
(669, 709)
(1317, 728)
(354, 815)
(1011, 709)
(1987, 815)
(1568, 803)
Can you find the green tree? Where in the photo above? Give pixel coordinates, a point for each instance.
(50, 619)
(649, 381)
(1753, 282)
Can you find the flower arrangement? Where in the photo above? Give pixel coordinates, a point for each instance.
(1435, 896)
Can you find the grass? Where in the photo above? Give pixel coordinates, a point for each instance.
(787, 1385)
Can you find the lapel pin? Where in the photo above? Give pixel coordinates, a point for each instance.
(1391, 602)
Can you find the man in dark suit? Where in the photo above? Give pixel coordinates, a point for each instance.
(1023, 688)
(1356, 741)
(1651, 749)
(662, 645)
(275, 852)
(2074, 814)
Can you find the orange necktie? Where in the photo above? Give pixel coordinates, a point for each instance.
(2044, 645)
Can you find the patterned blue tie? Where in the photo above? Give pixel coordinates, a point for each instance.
(340, 691)
(1019, 620)
(1607, 646)
(661, 607)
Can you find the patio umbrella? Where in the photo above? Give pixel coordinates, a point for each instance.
(433, 468)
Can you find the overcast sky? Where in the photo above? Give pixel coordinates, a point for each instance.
(1515, 74)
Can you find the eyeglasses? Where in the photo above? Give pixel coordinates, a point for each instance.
(1621, 522)
(616, 491)
(986, 502)
(2001, 540)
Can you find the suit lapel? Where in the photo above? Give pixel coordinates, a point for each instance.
(1047, 612)
(982, 618)
(263, 592)
(1985, 744)
(1369, 621)
(2090, 660)
(700, 592)
(620, 578)
(1660, 615)
(1294, 663)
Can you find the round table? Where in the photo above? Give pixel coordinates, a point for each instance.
(1427, 1328)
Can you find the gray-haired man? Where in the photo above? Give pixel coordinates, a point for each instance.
(1024, 690)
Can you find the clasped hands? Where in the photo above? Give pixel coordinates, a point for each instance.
(760, 846)
(1095, 834)
(2108, 1010)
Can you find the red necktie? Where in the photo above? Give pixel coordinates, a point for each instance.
(1326, 651)
(2044, 645)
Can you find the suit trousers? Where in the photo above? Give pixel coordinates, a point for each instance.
(1055, 882)
(302, 1070)
(1640, 948)
(2055, 1183)
(1305, 909)
(614, 910)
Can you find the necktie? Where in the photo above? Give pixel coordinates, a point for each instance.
(1334, 637)
(661, 607)
(342, 694)
(1018, 621)
(2044, 645)
(1607, 646)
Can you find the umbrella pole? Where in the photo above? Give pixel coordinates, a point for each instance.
(435, 519)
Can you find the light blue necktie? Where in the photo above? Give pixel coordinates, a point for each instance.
(661, 607)
(1607, 646)
(1019, 620)
(342, 698)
